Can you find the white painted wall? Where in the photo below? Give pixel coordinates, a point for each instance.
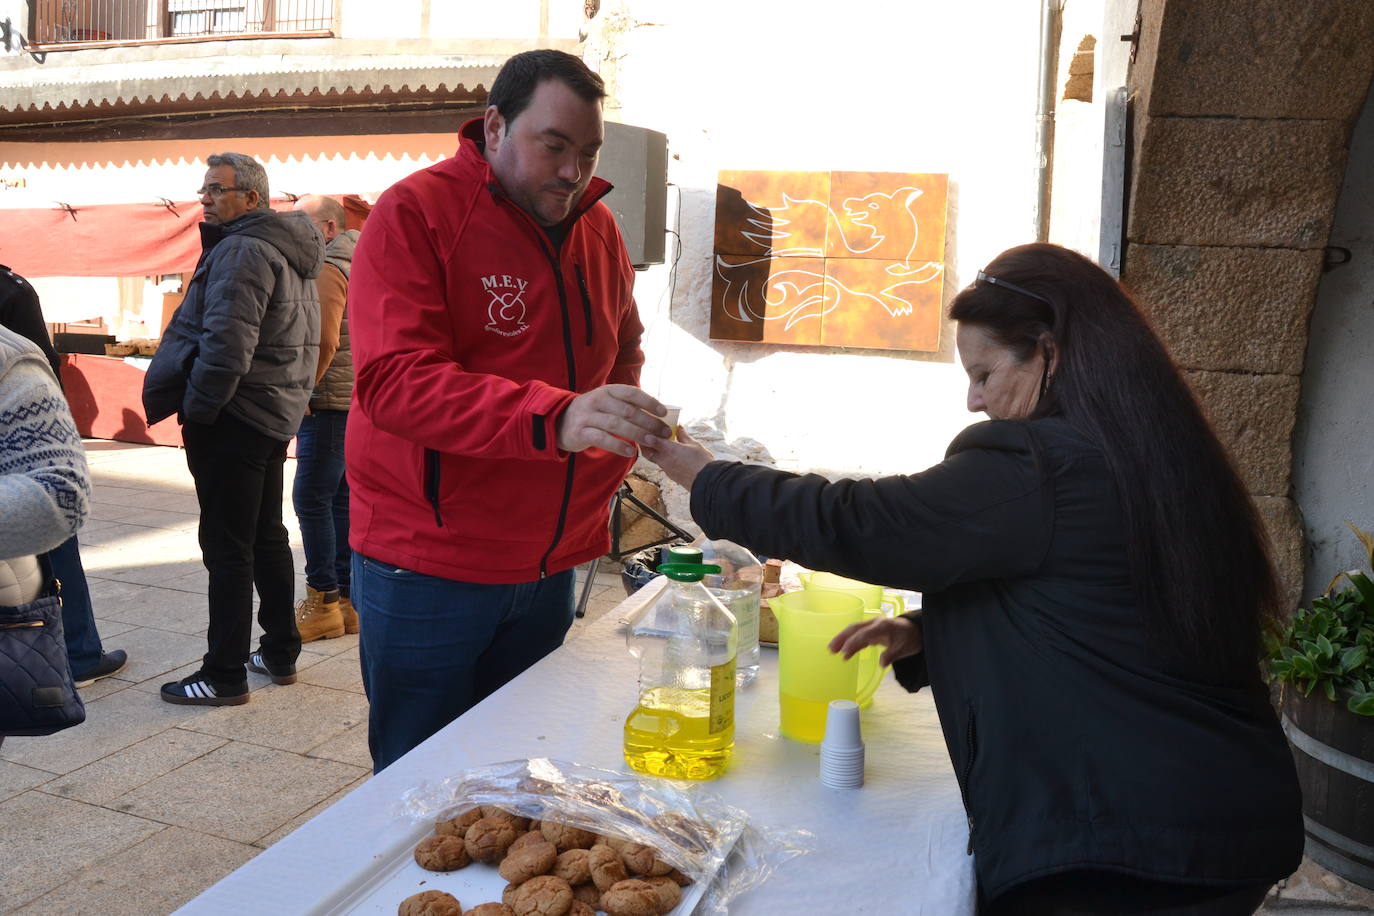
(1333, 445)
(870, 85)
(508, 19)
(17, 12)
(380, 18)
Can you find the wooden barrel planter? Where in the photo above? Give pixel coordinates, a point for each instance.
(1334, 752)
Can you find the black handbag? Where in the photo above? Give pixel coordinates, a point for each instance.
(37, 694)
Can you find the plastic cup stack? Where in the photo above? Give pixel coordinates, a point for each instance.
(842, 750)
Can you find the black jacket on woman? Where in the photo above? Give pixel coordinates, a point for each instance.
(1074, 745)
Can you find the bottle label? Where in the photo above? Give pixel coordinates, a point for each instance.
(722, 697)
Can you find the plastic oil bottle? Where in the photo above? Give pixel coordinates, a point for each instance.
(686, 641)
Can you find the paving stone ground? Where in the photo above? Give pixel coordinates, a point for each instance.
(146, 804)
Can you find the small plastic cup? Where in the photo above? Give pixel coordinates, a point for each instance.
(671, 418)
(842, 726)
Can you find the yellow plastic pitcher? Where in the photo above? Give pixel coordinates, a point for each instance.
(873, 596)
(809, 674)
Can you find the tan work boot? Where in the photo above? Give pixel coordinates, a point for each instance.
(350, 616)
(317, 615)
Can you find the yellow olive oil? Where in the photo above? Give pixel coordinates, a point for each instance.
(681, 733)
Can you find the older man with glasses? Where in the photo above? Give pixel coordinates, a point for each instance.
(236, 366)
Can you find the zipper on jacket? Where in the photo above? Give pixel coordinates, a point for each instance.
(971, 754)
(586, 301)
(432, 484)
(569, 354)
(562, 518)
(571, 357)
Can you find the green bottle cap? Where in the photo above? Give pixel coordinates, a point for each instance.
(687, 572)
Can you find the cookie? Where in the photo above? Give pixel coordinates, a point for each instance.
(430, 903)
(669, 893)
(642, 860)
(566, 836)
(543, 896)
(457, 826)
(520, 823)
(489, 839)
(490, 909)
(588, 894)
(630, 898)
(525, 839)
(441, 853)
(606, 868)
(529, 862)
(572, 867)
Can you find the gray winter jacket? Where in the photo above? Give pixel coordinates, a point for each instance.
(246, 337)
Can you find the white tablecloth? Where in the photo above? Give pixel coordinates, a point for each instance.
(895, 846)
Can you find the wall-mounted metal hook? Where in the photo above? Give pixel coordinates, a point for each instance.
(1334, 256)
(170, 206)
(71, 211)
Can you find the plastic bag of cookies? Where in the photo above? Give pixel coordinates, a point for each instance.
(568, 840)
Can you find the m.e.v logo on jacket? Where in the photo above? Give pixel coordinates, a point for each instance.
(506, 310)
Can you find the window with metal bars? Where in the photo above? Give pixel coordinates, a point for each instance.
(68, 21)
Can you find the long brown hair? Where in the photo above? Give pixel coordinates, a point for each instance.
(1199, 556)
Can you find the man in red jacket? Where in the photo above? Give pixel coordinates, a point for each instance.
(496, 343)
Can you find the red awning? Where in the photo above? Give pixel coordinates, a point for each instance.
(117, 240)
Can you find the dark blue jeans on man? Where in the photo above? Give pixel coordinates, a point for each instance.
(320, 497)
(433, 648)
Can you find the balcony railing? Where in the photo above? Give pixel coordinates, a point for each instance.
(110, 21)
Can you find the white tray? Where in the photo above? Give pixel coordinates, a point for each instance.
(394, 876)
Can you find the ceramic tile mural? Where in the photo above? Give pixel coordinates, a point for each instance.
(839, 259)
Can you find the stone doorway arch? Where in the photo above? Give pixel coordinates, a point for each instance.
(1243, 111)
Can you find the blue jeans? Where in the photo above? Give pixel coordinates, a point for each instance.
(320, 496)
(78, 618)
(433, 648)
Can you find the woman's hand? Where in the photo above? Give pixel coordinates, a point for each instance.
(681, 460)
(901, 637)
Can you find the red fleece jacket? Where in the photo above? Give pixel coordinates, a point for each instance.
(471, 334)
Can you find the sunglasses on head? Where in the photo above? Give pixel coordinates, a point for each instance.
(1005, 284)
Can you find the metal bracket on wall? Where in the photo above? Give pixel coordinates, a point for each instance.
(1134, 37)
(1334, 256)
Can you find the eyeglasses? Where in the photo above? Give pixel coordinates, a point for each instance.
(988, 278)
(215, 190)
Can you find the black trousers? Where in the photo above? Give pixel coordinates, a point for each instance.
(238, 475)
(1095, 893)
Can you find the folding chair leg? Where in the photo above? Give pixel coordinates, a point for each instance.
(587, 587)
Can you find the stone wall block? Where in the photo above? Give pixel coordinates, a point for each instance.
(1283, 523)
(1263, 58)
(1214, 181)
(1227, 309)
(1253, 416)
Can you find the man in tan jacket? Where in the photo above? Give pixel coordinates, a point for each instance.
(320, 492)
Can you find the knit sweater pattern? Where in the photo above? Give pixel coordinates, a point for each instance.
(45, 488)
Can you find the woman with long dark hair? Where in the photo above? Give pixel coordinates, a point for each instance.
(1095, 583)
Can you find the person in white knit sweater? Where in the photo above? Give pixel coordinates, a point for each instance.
(45, 488)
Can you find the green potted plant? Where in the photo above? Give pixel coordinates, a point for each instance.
(1329, 647)
(1324, 658)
